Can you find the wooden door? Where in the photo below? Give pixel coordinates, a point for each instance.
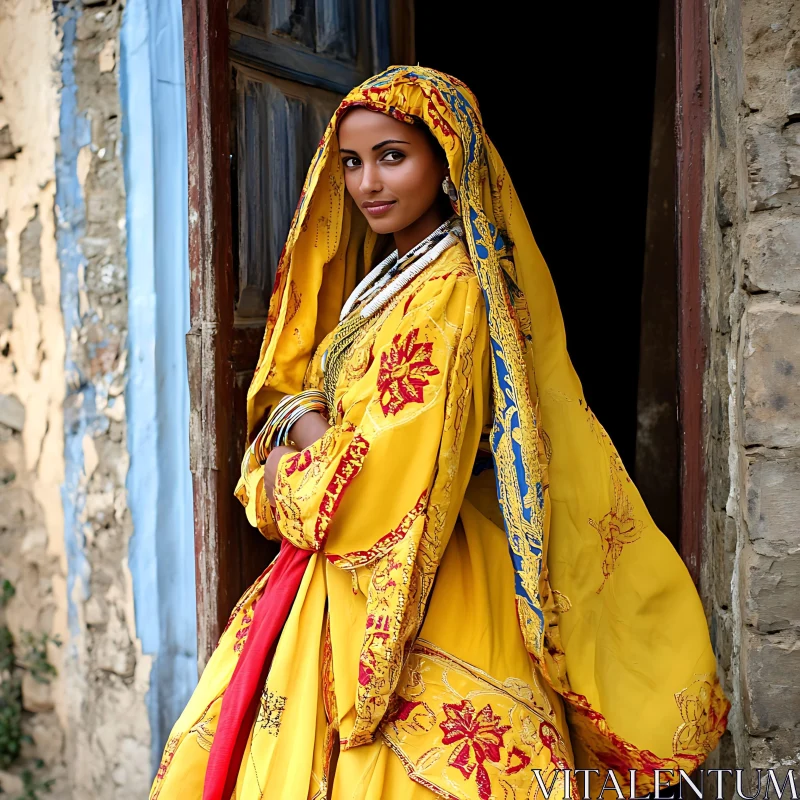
(263, 78)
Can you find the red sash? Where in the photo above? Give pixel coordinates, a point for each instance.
(241, 699)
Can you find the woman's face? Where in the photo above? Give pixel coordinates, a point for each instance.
(391, 170)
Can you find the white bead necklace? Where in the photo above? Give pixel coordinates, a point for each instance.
(408, 275)
(389, 267)
(379, 277)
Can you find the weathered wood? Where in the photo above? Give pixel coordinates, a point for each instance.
(402, 48)
(294, 19)
(657, 472)
(692, 121)
(276, 127)
(335, 29)
(209, 343)
(302, 66)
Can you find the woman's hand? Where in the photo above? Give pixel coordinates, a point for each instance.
(308, 429)
(271, 470)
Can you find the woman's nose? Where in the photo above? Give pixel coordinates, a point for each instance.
(370, 179)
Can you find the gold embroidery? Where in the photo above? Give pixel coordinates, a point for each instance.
(618, 527)
(464, 735)
(704, 711)
(271, 712)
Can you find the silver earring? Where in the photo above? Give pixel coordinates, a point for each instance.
(448, 187)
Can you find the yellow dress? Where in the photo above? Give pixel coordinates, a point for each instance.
(487, 604)
(414, 391)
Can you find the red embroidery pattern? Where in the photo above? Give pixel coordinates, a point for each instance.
(241, 634)
(299, 462)
(480, 736)
(349, 466)
(362, 558)
(702, 732)
(252, 591)
(294, 302)
(463, 734)
(166, 760)
(404, 372)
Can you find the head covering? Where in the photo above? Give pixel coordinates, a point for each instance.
(605, 605)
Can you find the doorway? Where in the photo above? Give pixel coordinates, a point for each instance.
(582, 116)
(584, 121)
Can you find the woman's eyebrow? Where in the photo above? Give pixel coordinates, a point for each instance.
(376, 146)
(388, 141)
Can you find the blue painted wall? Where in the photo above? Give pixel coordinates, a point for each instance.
(80, 415)
(159, 482)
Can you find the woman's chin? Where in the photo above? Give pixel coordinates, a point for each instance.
(385, 223)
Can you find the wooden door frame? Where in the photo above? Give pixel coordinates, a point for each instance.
(209, 342)
(692, 117)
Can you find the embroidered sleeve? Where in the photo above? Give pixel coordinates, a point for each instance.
(378, 461)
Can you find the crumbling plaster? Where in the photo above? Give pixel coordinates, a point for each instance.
(64, 517)
(32, 346)
(108, 675)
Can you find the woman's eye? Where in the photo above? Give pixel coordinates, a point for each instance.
(393, 155)
(350, 162)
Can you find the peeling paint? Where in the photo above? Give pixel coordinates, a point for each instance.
(32, 552)
(162, 548)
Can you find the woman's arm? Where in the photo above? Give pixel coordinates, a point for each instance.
(271, 470)
(308, 429)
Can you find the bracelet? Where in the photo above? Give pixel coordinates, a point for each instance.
(279, 424)
(286, 413)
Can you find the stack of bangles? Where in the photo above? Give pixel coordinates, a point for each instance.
(278, 426)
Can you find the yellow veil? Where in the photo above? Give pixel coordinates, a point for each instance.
(606, 607)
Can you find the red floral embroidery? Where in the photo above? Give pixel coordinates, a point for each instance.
(299, 462)
(481, 738)
(516, 760)
(349, 466)
(241, 634)
(404, 372)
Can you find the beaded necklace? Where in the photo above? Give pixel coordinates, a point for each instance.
(375, 291)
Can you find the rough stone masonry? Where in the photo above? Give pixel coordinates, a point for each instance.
(751, 580)
(64, 519)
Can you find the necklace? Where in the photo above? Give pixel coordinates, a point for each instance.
(376, 290)
(391, 265)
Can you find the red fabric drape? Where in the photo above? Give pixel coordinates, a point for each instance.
(241, 698)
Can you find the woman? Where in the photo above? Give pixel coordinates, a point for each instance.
(423, 424)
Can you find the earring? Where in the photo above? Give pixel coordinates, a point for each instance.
(449, 188)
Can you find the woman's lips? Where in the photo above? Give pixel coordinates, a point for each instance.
(377, 208)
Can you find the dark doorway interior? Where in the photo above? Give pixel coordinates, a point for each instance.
(568, 98)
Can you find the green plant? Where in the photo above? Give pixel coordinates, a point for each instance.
(7, 591)
(11, 736)
(34, 658)
(12, 667)
(32, 785)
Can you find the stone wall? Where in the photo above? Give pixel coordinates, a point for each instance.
(752, 268)
(109, 741)
(32, 555)
(64, 517)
